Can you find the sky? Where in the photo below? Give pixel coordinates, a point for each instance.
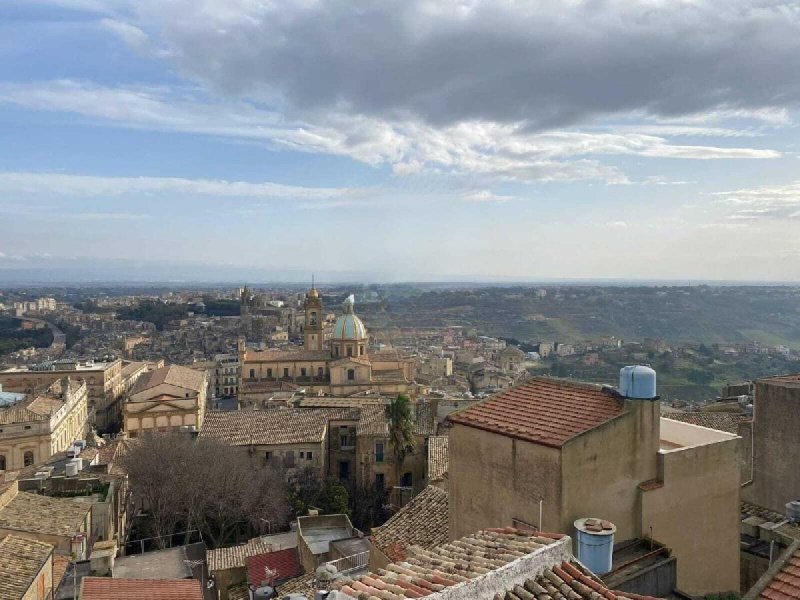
(401, 140)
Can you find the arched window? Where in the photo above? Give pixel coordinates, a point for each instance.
(2, 462)
(27, 458)
(313, 320)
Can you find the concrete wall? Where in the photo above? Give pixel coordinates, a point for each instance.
(776, 477)
(696, 514)
(494, 479)
(601, 469)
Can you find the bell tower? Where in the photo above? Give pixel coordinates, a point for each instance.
(313, 334)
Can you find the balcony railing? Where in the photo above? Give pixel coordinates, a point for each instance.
(348, 564)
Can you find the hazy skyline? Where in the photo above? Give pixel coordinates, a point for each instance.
(405, 140)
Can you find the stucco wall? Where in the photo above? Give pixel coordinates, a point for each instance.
(696, 514)
(494, 479)
(602, 468)
(776, 480)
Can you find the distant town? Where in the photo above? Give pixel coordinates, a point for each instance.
(399, 442)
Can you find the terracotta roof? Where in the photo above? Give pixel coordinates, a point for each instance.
(267, 427)
(233, 557)
(545, 411)
(60, 566)
(570, 579)
(21, 560)
(41, 514)
(372, 420)
(273, 355)
(721, 421)
(17, 414)
(785, 584)
(283, 563)
(422, 522)
(426, 572)
(299, 585)
(437, 457)
(183, 377)
(106, 588)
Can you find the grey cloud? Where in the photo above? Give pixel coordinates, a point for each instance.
(546, 64)
(768, 202)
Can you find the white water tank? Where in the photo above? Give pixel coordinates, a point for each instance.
(71, 468)
(638, 382)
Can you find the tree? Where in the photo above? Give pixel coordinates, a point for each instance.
(333, 497)
(368, 506)
(401, 431)
(203, 484)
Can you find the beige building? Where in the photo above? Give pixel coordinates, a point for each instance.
(105, 383)
(39, 426)
(341, 366)
(774, 478)
(26, 569)
(550, 451)
(166, 399)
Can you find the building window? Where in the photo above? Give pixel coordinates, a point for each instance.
(351, 374)
(344, 469)
(345, 439)
(27, 458)
(380, 480)
(379, 452)
(285, 371)
(252, 373)
(336, 350)
(309, 455)
(267, 456)
(2, 462)
(269, 372)
(349, 351)
(302, 371)
(320, 373)
(407, 480)
(361, 350)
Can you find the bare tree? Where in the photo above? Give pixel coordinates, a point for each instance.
(220, 490)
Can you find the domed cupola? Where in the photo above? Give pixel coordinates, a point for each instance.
(349, 333)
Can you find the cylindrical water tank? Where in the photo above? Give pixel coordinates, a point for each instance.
(595, 544)
(71, 468)
(637, 381)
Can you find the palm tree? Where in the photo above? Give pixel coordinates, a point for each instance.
(401, 431)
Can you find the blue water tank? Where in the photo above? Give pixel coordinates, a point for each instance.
(637, 381)
(595, 544)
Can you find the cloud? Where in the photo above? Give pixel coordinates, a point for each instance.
(767, 202)
(129, 34)
(617, 225)
(485, 196)
(506, 151)
(89, 185)
(545, 64)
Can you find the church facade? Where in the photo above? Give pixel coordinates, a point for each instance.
(343, 365)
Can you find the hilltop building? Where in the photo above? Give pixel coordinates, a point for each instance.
(552, 451)
(341, 366)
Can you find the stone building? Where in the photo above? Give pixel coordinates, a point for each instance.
(41, 425)
(341, 366)
(26, 569)
(104, 380)
(167, 399)
(550, 451)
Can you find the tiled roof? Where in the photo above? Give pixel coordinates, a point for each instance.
(545, 411)
(60, 566)
(426, 572)
(373, 420)
(422, 522)
(21, 560)
(266, 427)
(17, 414)
(721, 421)
(570, 580)
(232, 557)
(40, 514)
(46, 405)
(785, 584)
(283, 563)
(176, 375)
(299, 585)
(437, 457)
(106, 588)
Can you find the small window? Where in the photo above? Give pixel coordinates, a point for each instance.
(252, 373)
(27, 426)
(351, 374)
(302, 371)
(285, 372)
(349, 351)
(267, 456)
(2, 462)
(361, 350)
(380, 480)
(27, 458)
(379, 452)
(336, 350)
(309, 455)
(320, 374)
(302, 454)
(269, 372)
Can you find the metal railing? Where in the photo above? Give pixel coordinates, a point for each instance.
(348, 564)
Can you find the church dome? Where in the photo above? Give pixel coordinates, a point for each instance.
(349, 326)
